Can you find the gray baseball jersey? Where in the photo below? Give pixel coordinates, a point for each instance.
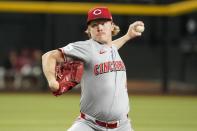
(104, 93)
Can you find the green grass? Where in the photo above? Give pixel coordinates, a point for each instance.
(44, 112)
(164, 113)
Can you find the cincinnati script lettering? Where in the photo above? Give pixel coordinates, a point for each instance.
(109, 66)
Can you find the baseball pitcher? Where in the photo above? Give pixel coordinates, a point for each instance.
(97, 65)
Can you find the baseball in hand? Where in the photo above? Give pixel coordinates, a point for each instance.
(139, 28)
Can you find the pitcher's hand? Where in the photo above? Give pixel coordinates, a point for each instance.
(135, 29)
(54, 85)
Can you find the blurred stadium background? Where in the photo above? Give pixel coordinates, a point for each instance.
(160, 65)
(163, 60)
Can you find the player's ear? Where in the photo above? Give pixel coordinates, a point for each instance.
(113, 26)
(87, 31)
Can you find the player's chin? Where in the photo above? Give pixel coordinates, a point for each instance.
(102, 40)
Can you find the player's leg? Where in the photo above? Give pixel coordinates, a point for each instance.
(80, 126)
(126, 126)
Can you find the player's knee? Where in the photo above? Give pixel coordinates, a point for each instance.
(80, 126)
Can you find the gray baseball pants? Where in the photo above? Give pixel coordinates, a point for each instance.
(89, 125)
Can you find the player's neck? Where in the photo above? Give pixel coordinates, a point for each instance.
(107, 43)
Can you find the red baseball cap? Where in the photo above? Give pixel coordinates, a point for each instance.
(99, 13)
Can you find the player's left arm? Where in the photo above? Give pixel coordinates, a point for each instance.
(49, 60)
(135, 29)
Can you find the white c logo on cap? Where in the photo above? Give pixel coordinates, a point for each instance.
(97, 12)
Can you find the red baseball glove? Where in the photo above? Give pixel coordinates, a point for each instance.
(68, 74)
